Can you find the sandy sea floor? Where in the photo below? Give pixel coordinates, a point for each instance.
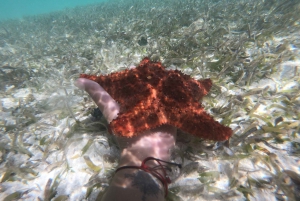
(53, 147)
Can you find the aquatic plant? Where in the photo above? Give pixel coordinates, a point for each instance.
(248, 48)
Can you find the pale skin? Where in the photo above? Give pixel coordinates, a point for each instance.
(133, 184)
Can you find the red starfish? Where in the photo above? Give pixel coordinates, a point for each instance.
(150, 96)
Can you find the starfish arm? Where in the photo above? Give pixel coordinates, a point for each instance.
(125, 87)
(202, 125)
(196, 88)
(183, 88)
(205, 85)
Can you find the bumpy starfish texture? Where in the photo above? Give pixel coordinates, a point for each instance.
(150, 96)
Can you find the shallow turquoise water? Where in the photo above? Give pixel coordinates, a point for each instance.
(250, 49)
(19, 8)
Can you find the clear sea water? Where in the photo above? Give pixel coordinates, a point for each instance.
(13, 9)
(51, 138)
